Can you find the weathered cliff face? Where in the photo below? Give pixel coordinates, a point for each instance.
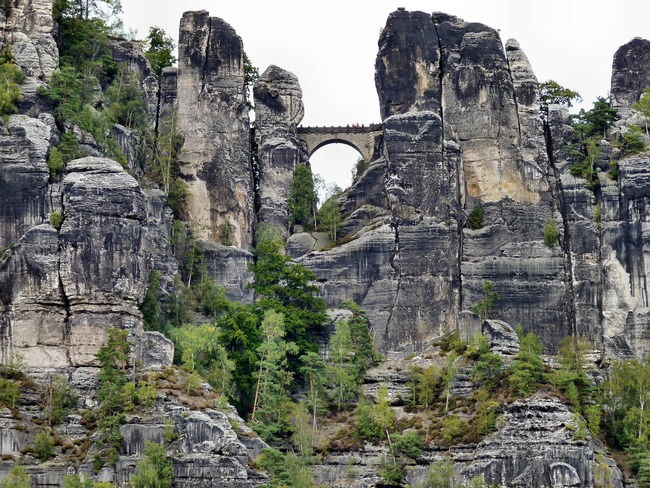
(630, 72)
(29, 29)
(278, 110)
(63, 289)
(461, 129)
(215, 158)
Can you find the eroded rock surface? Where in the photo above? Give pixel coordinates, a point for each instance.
(215, 158)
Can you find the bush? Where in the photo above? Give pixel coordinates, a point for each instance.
(155, 470)
(550, 233)
(55, 163)
(10, 94)
(43, 445)
(632, 141)
(56, 220)
(9, 392)
(60, 398)
(393, 473)
(408, 444)
(452, 428)
(17, 478)
(475, 218)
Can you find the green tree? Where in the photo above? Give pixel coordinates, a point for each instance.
(60, 398)
(11, 76)
(113, 358)
(150, 306)
(288, 289)
(303, 200)
(125, 103)
(632, 141)
(343, 381)
(273, 377)
(329, 215)
(155, 470)
(475, 218)
(551, 92)
(596, 121)
(643, 107)
(428, 385)
(160, 50)
(550, 233)
(527, 370)
(17, 478)
(441, 474)
(483, 307)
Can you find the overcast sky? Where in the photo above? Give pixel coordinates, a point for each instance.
(331, 46)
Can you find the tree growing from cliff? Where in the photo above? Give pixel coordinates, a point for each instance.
(273, 377)
(527, 371)
(329, 215)
(484, 306)
(303, 199)
(155, 470)
(551, 92)
(160, 50)
(288, 289)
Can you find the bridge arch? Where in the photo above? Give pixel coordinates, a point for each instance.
(361, 138)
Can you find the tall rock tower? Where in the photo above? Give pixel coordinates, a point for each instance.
(213, 120)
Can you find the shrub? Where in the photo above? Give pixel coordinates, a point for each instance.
(408, 444)
(60, 398)
(393, 473)
(155, 470)
(475, 218)
(452, 428)
(550, 233)
(632, 141)
(10, 94)
(527, 370)
(43, 445)
(17, 478)
(9, 392)
(56, 219)
(55, 163)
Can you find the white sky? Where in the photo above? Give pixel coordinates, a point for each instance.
(331, 46)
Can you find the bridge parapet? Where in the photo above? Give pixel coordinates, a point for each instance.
(360, 137)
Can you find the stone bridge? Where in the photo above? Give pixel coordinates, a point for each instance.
(362, 138)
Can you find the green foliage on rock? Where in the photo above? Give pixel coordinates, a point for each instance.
(286, 470)
(632, 141)
(160, 50)
(551, 92)
(329, 216)
(155, 470)
(483, 308)
(527, 371)
(643, 107)
(17, 478)
(44, 445)
(150, 306)
(56, 219)
(11, 76)
(475, 218)
(550, 233)
(9, 392)
(303, 200)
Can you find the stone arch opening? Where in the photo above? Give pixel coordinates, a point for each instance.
(336, 141)
(334, 162)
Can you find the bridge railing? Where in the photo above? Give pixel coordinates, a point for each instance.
(348, 129)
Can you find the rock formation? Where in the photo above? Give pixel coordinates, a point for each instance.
(460, 130)
(215, 158)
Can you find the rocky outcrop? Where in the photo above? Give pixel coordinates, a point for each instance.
(630, 72)
(30, 31)
(104, 262)
(540, 444)
(24, 177)
(215, 157)
(278, 111)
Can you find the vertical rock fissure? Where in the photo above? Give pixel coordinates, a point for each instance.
(66, 302)
(568, 259)
(397, 268)
(514, 97)
(443, 149)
